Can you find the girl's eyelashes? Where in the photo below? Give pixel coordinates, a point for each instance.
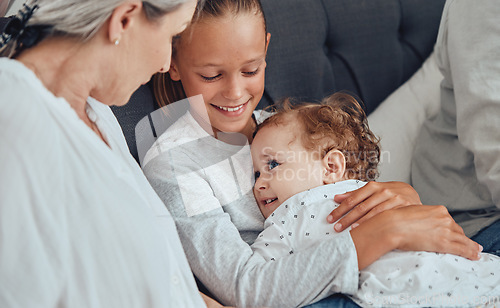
(210, 78)
(216, 77)
(251, 73)
(272, 163)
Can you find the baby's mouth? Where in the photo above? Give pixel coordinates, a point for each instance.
(269, 201)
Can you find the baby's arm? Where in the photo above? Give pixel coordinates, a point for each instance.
(272, 243)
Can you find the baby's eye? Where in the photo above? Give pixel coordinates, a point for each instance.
(257, 175)
(272, 164)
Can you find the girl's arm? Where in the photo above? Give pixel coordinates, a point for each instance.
(373, 198)
(427, 228)
(414, 227)
(225, 263)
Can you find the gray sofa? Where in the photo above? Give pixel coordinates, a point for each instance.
(367, 47)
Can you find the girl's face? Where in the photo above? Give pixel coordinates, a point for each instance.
(224, 60)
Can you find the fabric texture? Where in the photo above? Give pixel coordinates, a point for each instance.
(80, 224)
(140, 105)
(300, 221)
(428, 279)
(336, 300)
(489, 238)
(318, 48)
(207, 186)
(399, 118)
(457, 155)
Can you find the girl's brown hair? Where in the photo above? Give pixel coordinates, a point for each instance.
(337, 122)
(168, 91)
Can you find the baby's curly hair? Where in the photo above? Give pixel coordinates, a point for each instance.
(337, 122)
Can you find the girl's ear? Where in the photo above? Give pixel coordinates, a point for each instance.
(122, 18)
(334, 164)
(173, 71)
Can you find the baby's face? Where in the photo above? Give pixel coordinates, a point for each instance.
(283, 167)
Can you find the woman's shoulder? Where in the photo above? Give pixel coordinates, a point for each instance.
(19, 86)
(26, 106)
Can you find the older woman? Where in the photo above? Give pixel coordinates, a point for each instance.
(79, 224)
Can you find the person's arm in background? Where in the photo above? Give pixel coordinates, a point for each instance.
(473, 49)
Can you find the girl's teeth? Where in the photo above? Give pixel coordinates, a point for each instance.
(230, 109)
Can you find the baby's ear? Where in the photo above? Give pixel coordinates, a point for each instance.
(334, 165)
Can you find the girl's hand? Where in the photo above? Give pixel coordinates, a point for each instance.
(431, 228)
(369, 200)
(412, 228)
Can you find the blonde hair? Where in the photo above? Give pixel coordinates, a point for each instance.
(337, 122)
(81, 19)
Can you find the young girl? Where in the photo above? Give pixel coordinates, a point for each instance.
(207, 183)
(305, 155)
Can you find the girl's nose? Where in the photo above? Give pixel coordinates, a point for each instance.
(234, 89)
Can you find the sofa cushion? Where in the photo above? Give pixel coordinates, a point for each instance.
(141, 104)
(367, 47)
(398, 119)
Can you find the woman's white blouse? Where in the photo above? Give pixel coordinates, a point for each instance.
(80, 225)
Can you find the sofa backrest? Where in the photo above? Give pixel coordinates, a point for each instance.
(367, 47)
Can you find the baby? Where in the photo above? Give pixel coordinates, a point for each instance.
(305, 155)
